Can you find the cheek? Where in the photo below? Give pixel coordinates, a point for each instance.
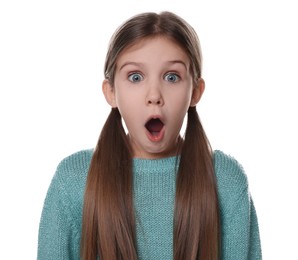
(125, 94)
(181, 100)
(179, 112)
(127, 105)
(180, 107)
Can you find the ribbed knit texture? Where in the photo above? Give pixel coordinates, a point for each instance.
(154, 193)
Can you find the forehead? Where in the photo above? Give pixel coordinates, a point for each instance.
(160, 47)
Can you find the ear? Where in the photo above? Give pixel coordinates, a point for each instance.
(197, 92)
(109, 93)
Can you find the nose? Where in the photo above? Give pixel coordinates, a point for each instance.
(154, 97)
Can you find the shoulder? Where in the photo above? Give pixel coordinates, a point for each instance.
(228, 169)
(231, 178)
(60, 223)
(239, 226)
(75, 164)
(70, 177)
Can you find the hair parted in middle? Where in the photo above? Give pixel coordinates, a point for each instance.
(151, 25)
(108, 229)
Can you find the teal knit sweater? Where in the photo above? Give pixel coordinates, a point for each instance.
(154, 192)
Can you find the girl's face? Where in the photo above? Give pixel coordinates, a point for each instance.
(153, 89)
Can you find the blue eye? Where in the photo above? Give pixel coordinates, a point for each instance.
(135, 77)
(172, 77)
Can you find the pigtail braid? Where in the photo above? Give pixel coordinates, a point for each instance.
(196, 229)
(108, 217)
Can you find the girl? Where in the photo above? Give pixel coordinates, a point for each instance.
(149, 193)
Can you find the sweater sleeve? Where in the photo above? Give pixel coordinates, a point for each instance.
(59, 231)
(240, 232)
(239, 224)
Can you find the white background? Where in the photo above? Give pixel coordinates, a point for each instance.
(51, 105)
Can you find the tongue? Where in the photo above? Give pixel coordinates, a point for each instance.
(154, 126)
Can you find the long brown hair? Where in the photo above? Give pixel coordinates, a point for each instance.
(108, 229)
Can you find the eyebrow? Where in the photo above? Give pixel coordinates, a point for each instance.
(140, 64)
(179, 62)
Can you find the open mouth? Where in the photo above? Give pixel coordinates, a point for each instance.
(154, 126)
